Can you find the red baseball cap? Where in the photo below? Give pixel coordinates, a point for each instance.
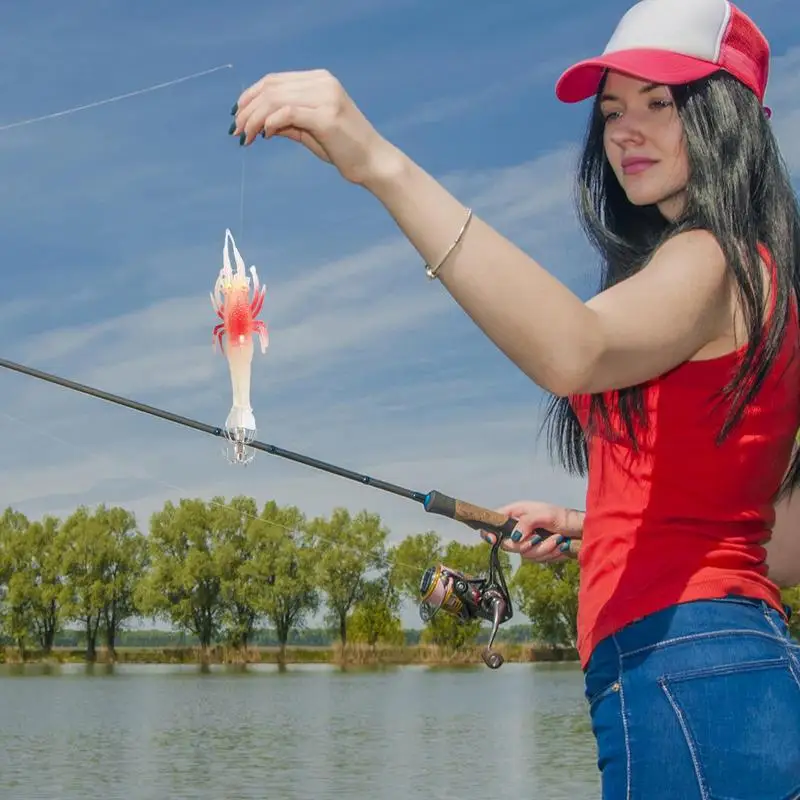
(675, 42)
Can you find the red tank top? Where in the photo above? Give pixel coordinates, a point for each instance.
(684, 517)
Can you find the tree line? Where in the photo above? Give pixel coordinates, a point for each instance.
(225, 572)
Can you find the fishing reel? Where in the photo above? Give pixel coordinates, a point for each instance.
(468, 597)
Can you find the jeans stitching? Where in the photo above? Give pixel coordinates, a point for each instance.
(624, 715)
(692, 637)
(721, 670)
(701, 784)
(794, 667)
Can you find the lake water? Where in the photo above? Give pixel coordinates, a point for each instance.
(311, 732)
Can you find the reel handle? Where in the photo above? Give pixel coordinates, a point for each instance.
(492, 658)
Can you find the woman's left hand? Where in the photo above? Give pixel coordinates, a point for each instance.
(312, 108)
(534, 517)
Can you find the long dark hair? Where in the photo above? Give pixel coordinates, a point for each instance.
(740, 191)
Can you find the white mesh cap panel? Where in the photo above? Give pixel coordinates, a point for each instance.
(692, 27)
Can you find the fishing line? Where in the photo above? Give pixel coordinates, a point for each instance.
(116, 98)
(241, 201)
(241, 186)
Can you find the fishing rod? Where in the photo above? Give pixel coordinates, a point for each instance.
(463, 596)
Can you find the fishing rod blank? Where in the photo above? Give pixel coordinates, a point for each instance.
(433, 502)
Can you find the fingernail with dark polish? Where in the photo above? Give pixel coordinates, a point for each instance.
(234, 109)
(536, 539)
(232, 128)
(516, 536)
(559, 539)
(242, 138)
(564, 547)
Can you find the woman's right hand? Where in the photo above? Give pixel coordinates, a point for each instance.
(564, 525)
(312, 107)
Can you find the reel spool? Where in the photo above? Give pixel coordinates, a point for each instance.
(468, 597)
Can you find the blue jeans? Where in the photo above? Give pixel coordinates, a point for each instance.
(700, 701)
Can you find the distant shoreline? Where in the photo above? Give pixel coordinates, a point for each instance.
(355, 654)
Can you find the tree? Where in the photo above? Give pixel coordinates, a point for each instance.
(124, 568)
(238, 592)
(548, 595)
(282, 570)
(84, 547)
(16, 599)
(104, 557)
(348, 548)
(409, 559)
(184, 583)
(375, 616)
(36, 587)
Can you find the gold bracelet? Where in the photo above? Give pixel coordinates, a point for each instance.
(431, 272)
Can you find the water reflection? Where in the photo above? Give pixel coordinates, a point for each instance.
(306, 731)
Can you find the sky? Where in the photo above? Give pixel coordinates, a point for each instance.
(114, 223)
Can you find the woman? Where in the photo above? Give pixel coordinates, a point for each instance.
(676, 389)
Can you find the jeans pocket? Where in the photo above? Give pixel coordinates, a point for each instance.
(741, 723)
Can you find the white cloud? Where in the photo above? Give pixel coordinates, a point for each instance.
(272, 22)
(494, 95)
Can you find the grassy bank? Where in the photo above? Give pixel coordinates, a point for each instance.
(355, 654)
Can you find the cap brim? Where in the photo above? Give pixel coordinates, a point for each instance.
(582, 80)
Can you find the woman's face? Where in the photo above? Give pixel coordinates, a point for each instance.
(644, 143)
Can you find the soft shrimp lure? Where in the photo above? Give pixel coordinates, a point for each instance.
(238, 311)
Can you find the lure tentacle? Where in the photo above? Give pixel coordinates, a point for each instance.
(258, 301)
